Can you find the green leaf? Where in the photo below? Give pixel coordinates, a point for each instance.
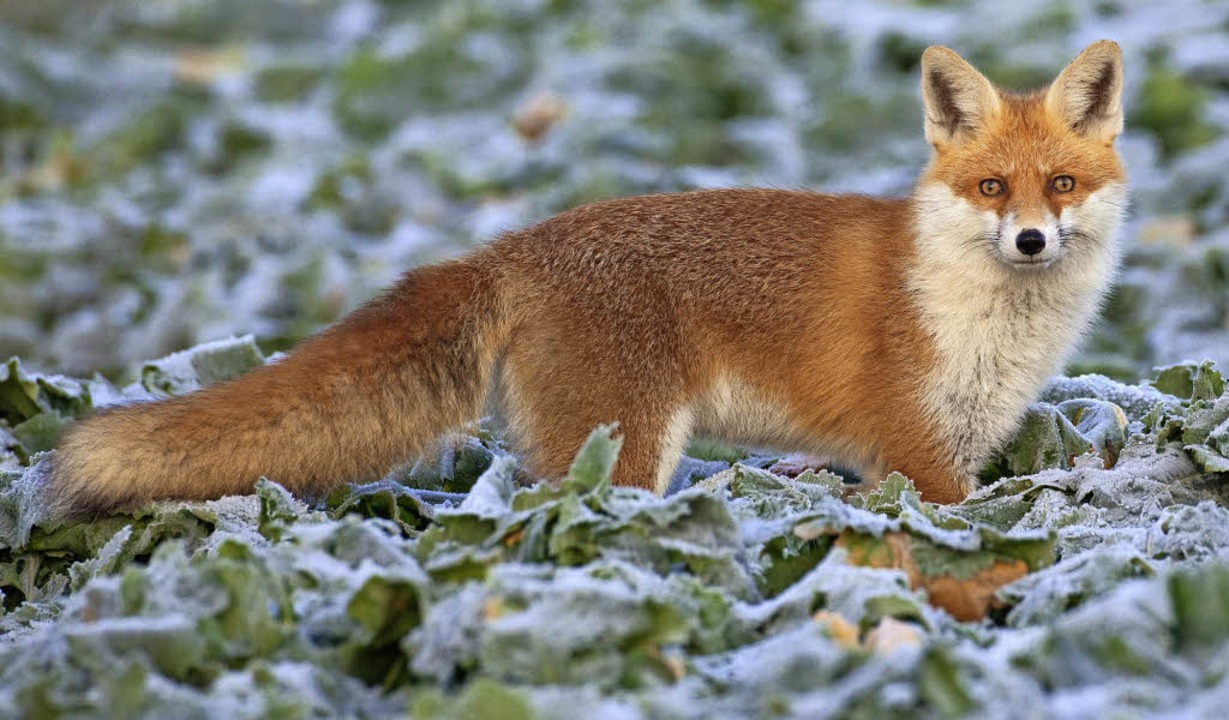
(491, 495)
(25, 397)
(1043, 595)
(248, 623)
(940, 684)
(388, 500)
(278, 509)
(41, 432)
(172, 645)
(1188, 380)
(934, 560)
(1200, 611)
(702, 448)
(469, 460)
(893, 495)
(19, 397)
(197, 367)
(12, 454)
(1203, 419)
(1054, 436)
(386, 608)
(1035, 548)
(1102, 424)
(786, 558)
(1208, 459)
(483, 698)
(590, 471)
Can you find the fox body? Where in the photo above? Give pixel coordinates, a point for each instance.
(900, 334)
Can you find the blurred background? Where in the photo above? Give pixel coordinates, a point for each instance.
(174, 171)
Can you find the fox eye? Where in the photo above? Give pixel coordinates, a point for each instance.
(1063, 184)
(991, 187)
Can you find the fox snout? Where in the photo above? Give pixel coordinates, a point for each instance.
(1029, 239)
(1031, 242)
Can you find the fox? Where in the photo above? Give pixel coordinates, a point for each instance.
(903, 334)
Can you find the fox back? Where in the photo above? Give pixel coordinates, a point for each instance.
(899, 334)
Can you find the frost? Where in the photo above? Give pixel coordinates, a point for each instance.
(192, 369)
(1135, 400)
(1060, 436)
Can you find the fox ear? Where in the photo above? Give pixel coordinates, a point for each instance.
(1087, 95)
(957, 98)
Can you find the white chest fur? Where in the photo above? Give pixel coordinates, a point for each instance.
(1000, 332)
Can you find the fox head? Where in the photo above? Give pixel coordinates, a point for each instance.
(1027, 180)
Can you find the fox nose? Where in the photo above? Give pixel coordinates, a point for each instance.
(1030, 242)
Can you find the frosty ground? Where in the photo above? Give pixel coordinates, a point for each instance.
(1087, 580)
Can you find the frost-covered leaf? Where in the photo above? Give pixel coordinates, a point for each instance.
(492, 492)
(278, 509)
(171, 645)
(1189, 380)
(107, 560)
(1200, 612)
(21, 502)
(942, 684)
(1046, 439)
(386, 608)
(1127, 633)
(36, 409)
(1209, 459)
(384, 499)
(1054, 590)
(1053, 436)
(42, 553)
(591, 469)
(1005, 503)
(959, 566)
(455, 465)
(1205, 433)
(1135, 400)
(1190, 532)
(483, 698)
(606, 631)
(1203, 418)
(1102, 424)
(962, 583)
(182, 372)
(24, 395)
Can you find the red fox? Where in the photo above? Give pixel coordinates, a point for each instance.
(903, 334)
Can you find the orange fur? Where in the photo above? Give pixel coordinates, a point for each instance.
(1027, 148)
(766, 316)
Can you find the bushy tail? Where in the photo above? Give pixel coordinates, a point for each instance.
(346, 405)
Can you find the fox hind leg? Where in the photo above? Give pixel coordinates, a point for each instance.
(550, 418)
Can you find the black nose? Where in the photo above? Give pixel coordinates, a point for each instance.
(1030, 242)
